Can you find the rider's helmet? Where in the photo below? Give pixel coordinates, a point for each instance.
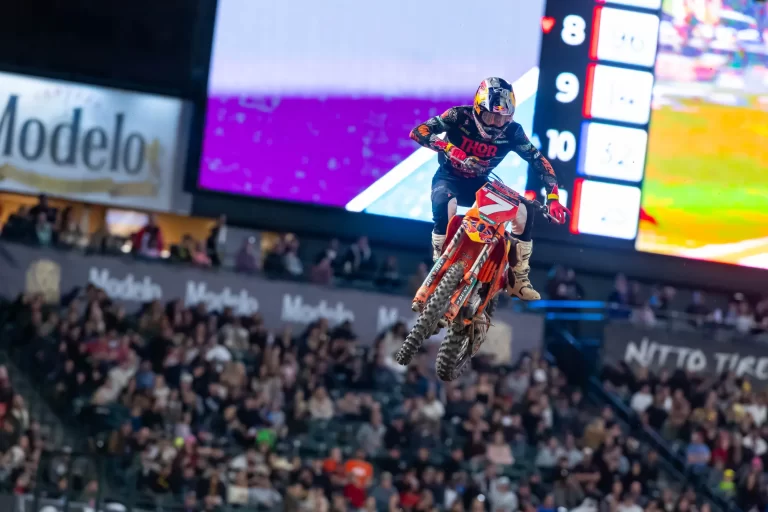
(494, 107)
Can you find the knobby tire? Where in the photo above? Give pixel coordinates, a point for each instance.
(434, 310)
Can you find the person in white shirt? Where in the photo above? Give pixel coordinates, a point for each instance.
(502, 497)
(755, 443)
(550, 454)
(433, 409)
(641, 400)
(628, 504)
(757, 410)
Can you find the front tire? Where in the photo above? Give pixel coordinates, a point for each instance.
(434, 310)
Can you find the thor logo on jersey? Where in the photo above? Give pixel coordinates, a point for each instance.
(479, 149)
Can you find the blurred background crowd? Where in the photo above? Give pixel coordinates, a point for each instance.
(190, 409)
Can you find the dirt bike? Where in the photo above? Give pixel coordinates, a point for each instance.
(461, 289)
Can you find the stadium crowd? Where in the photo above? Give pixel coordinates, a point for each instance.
(47, 226)
(22, 439)
(205, 409)
(716, 422)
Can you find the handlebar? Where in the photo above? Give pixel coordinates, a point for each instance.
(539, 208)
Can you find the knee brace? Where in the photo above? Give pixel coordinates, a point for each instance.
(522, 224)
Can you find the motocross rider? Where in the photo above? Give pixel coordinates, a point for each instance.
(477, 138)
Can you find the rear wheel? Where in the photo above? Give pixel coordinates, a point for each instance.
(453, 355)
(434, 310)
(455, 352)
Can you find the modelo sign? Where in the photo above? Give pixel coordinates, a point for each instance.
(89, 143)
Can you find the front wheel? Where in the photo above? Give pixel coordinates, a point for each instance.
(434, 310)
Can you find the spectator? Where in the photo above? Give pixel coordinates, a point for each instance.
(330, 253)
(216, 241)
(621, 298)
(72, 236)
(384, 492)
(574, 289)
(20, 226)
(274, 261)
(43, 229)
(628, 504)
(148, 241)
(320, 405)
(697, 310)
(644, 316)
(502, 497)
(662, 300)
(370, 437)
(556, 283)
(388, 275)
(199, 256)
(322, 272)
(183, 252)
(563, 285)
(499, 451)
(247, 260)
(550, 454)
(642, 400)
(291, 261)
(745, 320)
(43, 207)
(358, 262)
(567, 492)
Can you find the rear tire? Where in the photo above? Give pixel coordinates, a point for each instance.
(451, 358)
(434, 310)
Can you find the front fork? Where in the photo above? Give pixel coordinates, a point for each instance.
(470, 278)
(448, 253)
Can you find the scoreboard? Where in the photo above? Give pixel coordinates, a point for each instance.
(593, 107)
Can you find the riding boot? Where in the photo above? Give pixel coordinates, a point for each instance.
(519, 283)
(437, 245)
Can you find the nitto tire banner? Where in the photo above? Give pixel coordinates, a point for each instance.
(695, 351)
(133, 283)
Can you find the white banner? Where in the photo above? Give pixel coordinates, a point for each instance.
(89, 143)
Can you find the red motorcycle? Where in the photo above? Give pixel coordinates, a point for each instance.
(461, 289)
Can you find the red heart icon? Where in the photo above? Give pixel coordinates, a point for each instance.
(547, 24)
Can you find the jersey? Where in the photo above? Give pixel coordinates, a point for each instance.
(460, 129)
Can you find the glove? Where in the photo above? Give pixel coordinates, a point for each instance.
(557, 210)
(457, 156)
(468, 165)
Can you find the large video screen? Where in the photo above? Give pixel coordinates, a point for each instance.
(313, 102)
(705, 193)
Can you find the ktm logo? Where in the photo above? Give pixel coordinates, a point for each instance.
(479, 149)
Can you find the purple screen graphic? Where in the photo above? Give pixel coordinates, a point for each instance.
(313, 102)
